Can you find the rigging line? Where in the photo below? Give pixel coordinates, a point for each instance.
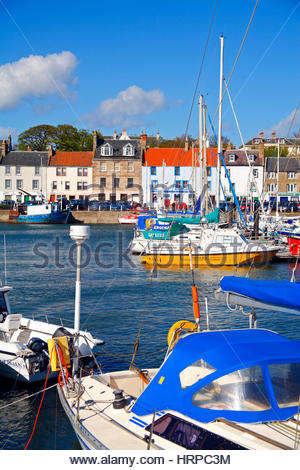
(235, 62)
(60, 91)
(200, 71)
(266, 51)
(292, 122)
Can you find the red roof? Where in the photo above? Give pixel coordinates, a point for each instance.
(177, 156)
(71, 159)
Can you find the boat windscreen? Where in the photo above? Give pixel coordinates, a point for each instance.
(285, 379)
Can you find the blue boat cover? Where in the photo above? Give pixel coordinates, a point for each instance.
(226, 352)
(281, 293)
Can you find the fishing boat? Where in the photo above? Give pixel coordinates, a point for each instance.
(34, 213)
(225, 389)
(214, 246)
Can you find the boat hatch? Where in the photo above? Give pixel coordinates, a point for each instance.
(249, 376)
(189, 435)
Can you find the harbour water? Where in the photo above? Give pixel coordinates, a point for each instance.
(119, 297)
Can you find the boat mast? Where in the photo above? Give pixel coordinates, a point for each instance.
(277, 189)
(200, 154)
(204, 159)
(220, 121)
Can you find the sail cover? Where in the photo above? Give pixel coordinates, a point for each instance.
(280, 293)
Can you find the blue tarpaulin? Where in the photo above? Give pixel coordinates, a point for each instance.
(281, 293)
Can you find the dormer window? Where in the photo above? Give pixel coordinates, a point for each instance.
(231, 157)
(128, 150)
(251, 157)
(257, 141)
(106, 150)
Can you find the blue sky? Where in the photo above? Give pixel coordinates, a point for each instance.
(110, 65)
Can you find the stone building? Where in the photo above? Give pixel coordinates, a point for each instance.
(117, 166)
(289, 178)
(290, 144)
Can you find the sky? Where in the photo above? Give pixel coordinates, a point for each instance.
(135, 65)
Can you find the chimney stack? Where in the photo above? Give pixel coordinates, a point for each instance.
(143, 145)
(29, 149)
(261, 134)
(50, 152)
(186, 144)
(3, 148)
(273, 134)
(95, 141)
(9, 143)
(115, 135)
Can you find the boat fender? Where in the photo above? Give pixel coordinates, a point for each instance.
(119, 401)
(59, 333)
(181, 326)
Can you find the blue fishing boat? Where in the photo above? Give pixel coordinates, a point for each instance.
(34, 213)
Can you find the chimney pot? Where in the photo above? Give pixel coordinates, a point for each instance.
(261, 134)
(273, 134)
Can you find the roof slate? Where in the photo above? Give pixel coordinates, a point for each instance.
(25, 158)
(117, 146)
(241, 158)
(285, 164)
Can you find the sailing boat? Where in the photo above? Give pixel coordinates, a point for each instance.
(226, 389)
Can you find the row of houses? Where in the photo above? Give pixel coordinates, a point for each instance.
(123, 167)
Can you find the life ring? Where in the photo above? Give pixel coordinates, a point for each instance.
(149, 223)
(177, 329)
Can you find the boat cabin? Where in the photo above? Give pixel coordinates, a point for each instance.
(246, 376)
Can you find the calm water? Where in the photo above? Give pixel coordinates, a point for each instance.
(119, 296)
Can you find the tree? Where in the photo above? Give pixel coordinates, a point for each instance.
(273, 151)
(213, 141)
(37, 137)
(178, 142)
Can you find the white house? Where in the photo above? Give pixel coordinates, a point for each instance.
(246, 172)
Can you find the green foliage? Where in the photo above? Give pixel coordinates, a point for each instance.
(273, 151)
(63, 137)
(37, 137)
(214, 143)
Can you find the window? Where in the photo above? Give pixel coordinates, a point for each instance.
(291, 188)
(18, 170)
(128, 150)
(177, 170)
(285, 379)
(67, 185)
(272, 187)
(177, 184)
(102, 182)
(19, 184)
(37, 171)
(81, 185)
(82, 171)
(154, 184)
(60, 171)
(257, 141)
(153, 170)
(208, 184)
(130, 167)
(251, 157)
(255, 173)
(189, 435)
(116, 182)
(208, 171)
(7, 170)
(185, 184)
(196, 371)
(106, 150)
(242, 390)
(7, 184)
(231, 157)
(54, 184)
(272, 175)
(130, 183)
(35, 184)
(102, 166)
(116, 166)
(291, 175)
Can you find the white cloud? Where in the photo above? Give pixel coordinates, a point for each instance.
(283, 127)
(36, 76)
(127, 109)
(6, 131)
